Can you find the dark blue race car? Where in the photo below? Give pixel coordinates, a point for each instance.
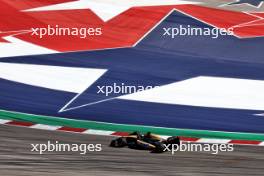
(148, 141)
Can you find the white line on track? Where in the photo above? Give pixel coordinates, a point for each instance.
(2, 121)
(45, 127)
(98, 132)
(261, 144)
(215, 141)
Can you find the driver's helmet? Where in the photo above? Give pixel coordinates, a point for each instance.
(119, 142)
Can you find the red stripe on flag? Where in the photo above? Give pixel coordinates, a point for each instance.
(19, 123)
(79, 130)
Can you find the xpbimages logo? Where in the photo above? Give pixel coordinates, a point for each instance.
(62, 147)
(122, 89)
(82, 32)
(198, 147)
(188, 30)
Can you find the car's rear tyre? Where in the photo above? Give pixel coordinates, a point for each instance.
(159, 147)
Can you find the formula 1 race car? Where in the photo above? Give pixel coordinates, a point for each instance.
(148, 141)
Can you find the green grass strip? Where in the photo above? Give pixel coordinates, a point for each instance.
(128, 128)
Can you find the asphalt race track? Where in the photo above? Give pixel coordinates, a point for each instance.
(16, 159)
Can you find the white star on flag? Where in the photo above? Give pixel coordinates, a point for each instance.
(259, 114)
(107, 9)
